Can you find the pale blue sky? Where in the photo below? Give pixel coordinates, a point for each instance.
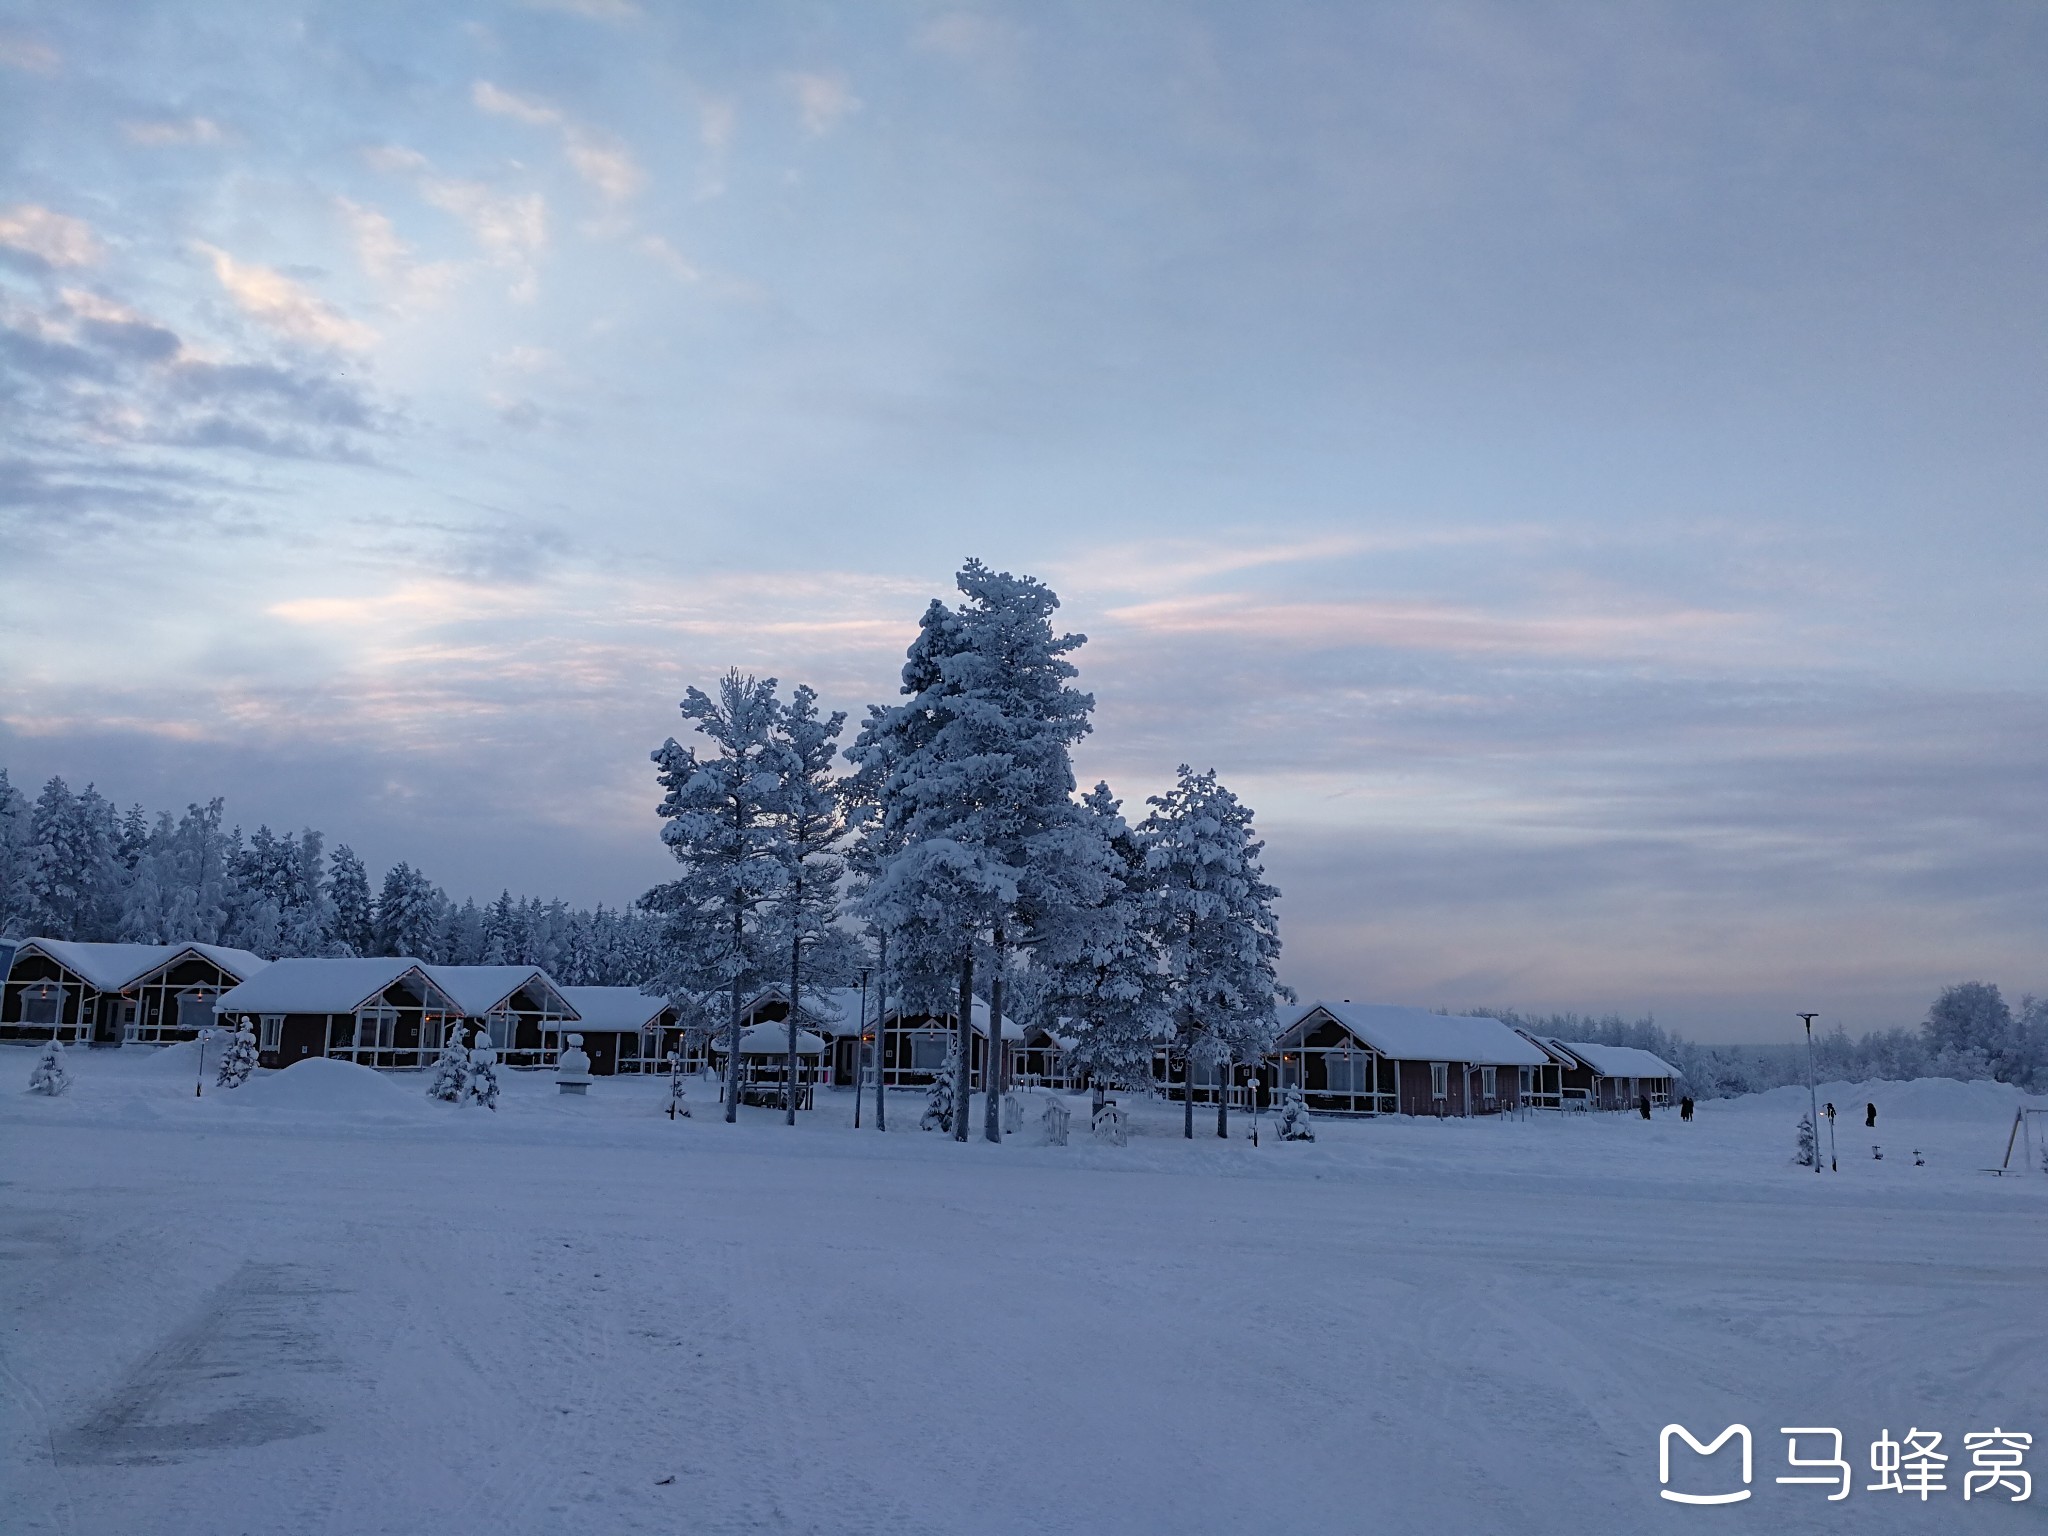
(1578, 470)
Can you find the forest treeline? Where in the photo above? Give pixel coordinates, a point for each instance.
(74, 866)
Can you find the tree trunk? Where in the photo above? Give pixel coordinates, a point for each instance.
(881, 1018)
(732, 1057)
(1187, 1090)
(992, 1120)
(796, 960)
(963, 1068)
(1223, 1099)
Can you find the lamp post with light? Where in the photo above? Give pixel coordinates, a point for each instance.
(1812, 1095)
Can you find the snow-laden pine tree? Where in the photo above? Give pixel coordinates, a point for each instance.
(14, 887)
(1805, 1155)
(50, 1076)
(237, 1060)
(348, 895)
(482, 1082)
(450, 1081)
(720, 808)
(810, 825)
(1105, 989)
(1212, 919)
(1294, 1121)
(409, 912)
(941, 1103)
(987, 848)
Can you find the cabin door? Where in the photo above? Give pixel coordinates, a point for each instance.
(106, 1025)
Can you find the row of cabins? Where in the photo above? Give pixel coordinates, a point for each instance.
(1346, 1058)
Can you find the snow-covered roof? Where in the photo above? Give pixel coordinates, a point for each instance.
(322, 986)
(110, 967)
(1621, 1060)
(1552, 1047)
(772, 1039)
(829, 1010)
(239, 963)
(1416, 1034)
(477, 989)
(602, 1010)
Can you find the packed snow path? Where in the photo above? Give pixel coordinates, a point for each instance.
(316, 1306)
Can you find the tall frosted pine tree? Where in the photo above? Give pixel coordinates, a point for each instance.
(720, 808)
(987, 849)
(811, 823)
(1212, 920)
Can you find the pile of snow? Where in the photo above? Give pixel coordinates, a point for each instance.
(1917, 1102)
(180, 1060)
(319, 1083)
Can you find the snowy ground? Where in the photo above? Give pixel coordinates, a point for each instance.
(324, 1305)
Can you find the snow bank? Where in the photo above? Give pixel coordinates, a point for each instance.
(318, 1083)
(1922, 1099)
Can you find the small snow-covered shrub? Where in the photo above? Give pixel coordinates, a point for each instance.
(938, 1099)
(451, 1070)
(678, 1105)
(237, 1060)
(483, 1074)
(50, 1077)
(1294, 1121)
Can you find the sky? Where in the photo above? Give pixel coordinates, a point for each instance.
(1577, 471)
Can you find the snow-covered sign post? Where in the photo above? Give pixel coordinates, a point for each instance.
(812, 824)
(721, 810)
(1212, 918)
(984, 851)
(678, 1104)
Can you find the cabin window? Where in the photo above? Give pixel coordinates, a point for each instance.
(501, 1026)
(273, 1032)
(1525, 1080)
(1439, 1079)
(42, 1004)
(927, 1052)
(195, 1010)
(1344, 1071)
(1203, 1074)
(376, 1028)
(431, 1025)
(1489, 1080)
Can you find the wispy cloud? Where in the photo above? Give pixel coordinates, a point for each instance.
(161, 133)
(389, 260)
(274, 300)
(591, 10)
(56, 239)
(600, 159)
(823, 100)
(28, 55)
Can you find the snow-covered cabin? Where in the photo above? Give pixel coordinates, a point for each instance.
(623, 1028)
(1379, 1059)
(387, 1012)
(1560, 1083)
(518, 1006)
(110, 994)
(1618, 1075)
(915, 1042)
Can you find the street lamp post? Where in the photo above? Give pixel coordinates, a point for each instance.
(1812, 1095)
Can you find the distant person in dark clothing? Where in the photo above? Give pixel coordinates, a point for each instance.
(1870, 1114)
(1685, 1108)
(1643, 1105)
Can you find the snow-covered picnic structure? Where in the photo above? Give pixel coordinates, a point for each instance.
(1378, 1059)
(115, 994)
